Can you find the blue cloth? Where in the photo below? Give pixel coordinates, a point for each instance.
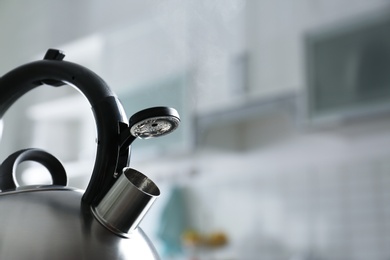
(173, 222)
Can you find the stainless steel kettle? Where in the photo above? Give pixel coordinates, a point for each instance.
(60, 222)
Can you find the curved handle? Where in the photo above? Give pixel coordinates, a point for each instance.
(52, 164)
(108, 112)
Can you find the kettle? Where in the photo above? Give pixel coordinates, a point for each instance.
(60, 222)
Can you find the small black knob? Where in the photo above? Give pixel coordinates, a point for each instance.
(53, 54)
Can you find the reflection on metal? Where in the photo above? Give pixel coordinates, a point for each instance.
(154, 127)
(127, 202)
(58, 226)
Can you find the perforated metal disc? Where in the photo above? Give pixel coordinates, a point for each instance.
(154, 127)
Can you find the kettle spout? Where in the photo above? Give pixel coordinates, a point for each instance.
(126, 203)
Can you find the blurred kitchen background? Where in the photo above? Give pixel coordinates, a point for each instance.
(284, 147)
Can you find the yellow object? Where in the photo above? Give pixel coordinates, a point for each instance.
(195, 239)
(216, 239)
(192, 238)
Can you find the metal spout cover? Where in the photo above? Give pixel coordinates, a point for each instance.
(127, 202)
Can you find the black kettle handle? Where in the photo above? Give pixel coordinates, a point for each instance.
(109, 114)
(52, 164)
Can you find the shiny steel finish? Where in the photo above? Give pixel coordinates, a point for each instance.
(52, 223)
(127, 202)
(1, 128)
(154, 127)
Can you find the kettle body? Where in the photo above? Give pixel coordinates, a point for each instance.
(50, 222)
(59, 222)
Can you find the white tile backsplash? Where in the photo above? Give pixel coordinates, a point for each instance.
(336, 211)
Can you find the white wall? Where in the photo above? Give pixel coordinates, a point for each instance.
(321, 196)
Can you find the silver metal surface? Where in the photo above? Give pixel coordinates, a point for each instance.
(127, 202)
(52, 224)
(1, 128)
(155, 126)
